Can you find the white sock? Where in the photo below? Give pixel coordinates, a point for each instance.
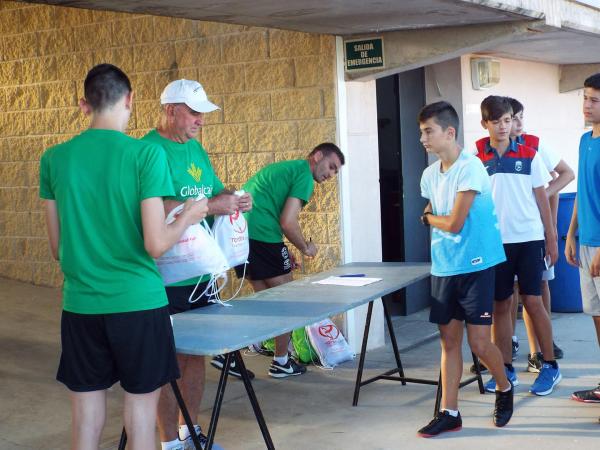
(452, 412)
(514, 338)
(169, 445)
(282, 360)
(184, 432)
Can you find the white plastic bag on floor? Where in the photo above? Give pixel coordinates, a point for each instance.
(329, 344)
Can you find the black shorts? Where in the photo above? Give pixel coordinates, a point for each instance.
(135, 348)
(468, 297)
(266, 260)
(179, 297)
(526, 261)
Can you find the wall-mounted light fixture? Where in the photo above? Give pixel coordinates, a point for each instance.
(485, 73)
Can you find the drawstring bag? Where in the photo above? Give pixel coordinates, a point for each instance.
(329, 344)
(231, 234)
(196, 253)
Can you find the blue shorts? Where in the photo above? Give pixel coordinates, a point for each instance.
(526, 261)
(467, 297)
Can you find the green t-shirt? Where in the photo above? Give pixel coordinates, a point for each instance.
(98, 180)
(192, 174)
(270, 188)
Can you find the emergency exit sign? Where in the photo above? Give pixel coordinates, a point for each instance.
(364, 54)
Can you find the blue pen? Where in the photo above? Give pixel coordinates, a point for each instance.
(353, 275)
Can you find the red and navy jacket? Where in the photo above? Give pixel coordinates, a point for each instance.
(517, 158)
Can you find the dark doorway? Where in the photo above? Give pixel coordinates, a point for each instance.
(401, 162)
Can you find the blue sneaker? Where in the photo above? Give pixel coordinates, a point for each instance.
(546, 380)
(490, 386)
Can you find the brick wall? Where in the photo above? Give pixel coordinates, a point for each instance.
(275, 88)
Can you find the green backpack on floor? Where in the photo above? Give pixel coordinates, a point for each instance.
(302, 346)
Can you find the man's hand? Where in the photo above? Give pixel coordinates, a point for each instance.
(595, 265)
(223, 204)
(245, 202)
(194, 211)
(571, 251)
(310, 250)
(551, 248)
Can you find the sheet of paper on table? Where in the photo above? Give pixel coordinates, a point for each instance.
(348, 281)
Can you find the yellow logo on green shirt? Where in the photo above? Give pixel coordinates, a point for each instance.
(195, 172)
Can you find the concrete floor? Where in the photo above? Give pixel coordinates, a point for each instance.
(311, 411)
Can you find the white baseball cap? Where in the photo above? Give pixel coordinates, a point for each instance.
(189, 92)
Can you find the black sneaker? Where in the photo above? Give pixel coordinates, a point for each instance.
(219, 361)
(534, 362)
(588, 396)
(441, 423)
(482, 368)
(515, 349)
(503, 409)
(558, 353)
(292, 368)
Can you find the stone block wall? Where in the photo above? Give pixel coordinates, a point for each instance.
(275, 88)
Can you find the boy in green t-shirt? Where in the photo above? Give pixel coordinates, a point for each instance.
(279, 192)
(105, 217)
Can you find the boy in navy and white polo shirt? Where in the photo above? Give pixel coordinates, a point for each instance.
(465, 247)
(518, 178)
(586, 218)
(562, 175)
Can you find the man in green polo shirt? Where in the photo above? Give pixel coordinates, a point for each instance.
(106, 221)
(184, 103)
(280, 191)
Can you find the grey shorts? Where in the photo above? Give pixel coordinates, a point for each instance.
(590, 287)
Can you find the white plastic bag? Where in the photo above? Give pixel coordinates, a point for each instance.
(196, 253)
(231, 233)
(329, 344)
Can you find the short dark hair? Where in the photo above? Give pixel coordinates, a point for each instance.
(592, 82)
(443, 113)
(104, 86)
(516, 105)
(494, 106)
(327, 148)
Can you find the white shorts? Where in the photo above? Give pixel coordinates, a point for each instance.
(590, 287)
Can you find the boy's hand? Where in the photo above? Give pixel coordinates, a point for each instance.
(595, 265)
(571, 251)
(195, 211)
(552, 249)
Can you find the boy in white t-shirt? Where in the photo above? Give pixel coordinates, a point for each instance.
(465, 248)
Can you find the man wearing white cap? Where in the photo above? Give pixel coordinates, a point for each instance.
(184, 103)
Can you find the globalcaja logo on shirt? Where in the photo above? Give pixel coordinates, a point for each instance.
(195, 191)
(476, 261)
(195, 172)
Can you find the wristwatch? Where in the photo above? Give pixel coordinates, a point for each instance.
(424, 219)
